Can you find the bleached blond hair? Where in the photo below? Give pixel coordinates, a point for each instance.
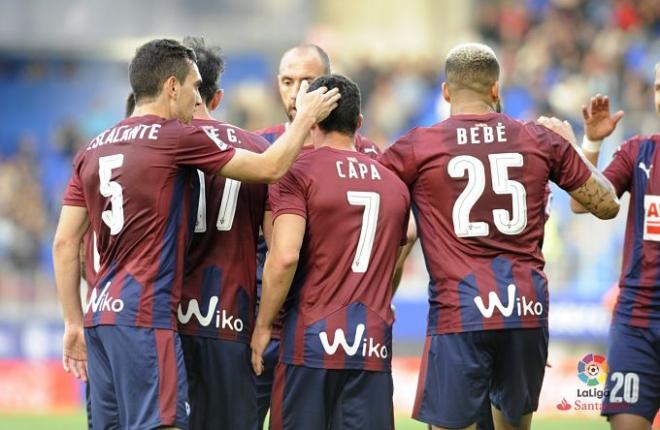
(472, 66)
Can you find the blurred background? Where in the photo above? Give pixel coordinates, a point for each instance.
(63, 79)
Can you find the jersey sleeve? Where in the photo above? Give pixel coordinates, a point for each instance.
(620, 170)
(568, 170)
(73, 194)
(400, 158)
(201, 148)
(288, 196)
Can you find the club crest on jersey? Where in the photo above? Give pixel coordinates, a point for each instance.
(652, 218)
(353, 169)
(365, 346)
(215, 316)
(103, 302)
(521, 305)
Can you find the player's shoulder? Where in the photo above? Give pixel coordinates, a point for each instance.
(366, 145)
(235, 135)
(271, 134)
(638, 139)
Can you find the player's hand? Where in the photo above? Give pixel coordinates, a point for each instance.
(598, 123)
(316, 104)
(562, 128)
(260, 339)
(74, 352)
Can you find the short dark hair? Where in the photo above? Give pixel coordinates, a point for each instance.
(472, 66)
(154, 63)
(344, 118)
(210, 63)
(130, 104)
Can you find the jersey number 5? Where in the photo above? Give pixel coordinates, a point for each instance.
(371, 203)
(113, 218)
(507, 223)
(227, 205)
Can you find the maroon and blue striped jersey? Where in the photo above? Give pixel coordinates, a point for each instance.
(356, 214)
(633, 169)
(479, 191)
(135, 179)
(219, 294)
(271, 134)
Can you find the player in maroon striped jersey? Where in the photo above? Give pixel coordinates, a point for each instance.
(132, 184)
(478, 183)
(300, 63)
(633, 380)
(218, 303)
(340, 217)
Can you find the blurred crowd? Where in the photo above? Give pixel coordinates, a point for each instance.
(554, 55)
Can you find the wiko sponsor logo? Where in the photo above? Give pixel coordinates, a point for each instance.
(104, 301)
(215, 316)
(521, 305)
(367, 347)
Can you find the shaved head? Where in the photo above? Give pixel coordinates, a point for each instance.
(308, 52)
(472, 66)
(300, 63)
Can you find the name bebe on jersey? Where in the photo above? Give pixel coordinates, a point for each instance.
(481, 133)
(220, 318)
(370, 348)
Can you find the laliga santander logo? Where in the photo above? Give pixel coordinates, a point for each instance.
(592, 369)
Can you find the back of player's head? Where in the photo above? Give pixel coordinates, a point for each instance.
(472, 66)
(345, 117)
(154, 63)
(313, 49)
(210, 63)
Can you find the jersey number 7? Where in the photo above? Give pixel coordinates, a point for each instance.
(371, 203)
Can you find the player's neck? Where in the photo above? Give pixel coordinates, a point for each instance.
(202, 112)
(336, 140)
(153, 108)
(471, 107)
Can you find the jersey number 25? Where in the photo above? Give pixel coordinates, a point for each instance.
(507, 223)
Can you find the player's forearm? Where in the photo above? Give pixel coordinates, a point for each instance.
(281, 154)
(66, 259)
(277, 278)
(592, 157)
(597, 196)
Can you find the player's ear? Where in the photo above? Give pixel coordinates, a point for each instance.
(216, 100)
(445, 92)
(495, 91)
(359, 122)
(171, 87)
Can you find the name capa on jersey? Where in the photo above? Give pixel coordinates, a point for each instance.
(124, 133)
(353, 169)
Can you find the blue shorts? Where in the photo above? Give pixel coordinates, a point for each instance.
(633, 380)
(265, 380)
(309, 398)
(222, 386)
(460, 371)
(137, 378)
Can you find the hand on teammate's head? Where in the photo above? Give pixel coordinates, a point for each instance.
(316, 104)
(598, 123)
